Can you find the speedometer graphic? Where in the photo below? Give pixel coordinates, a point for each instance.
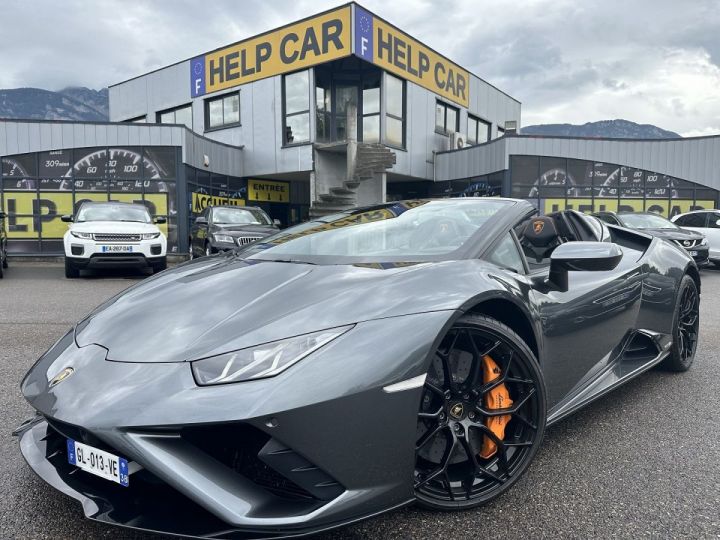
(557, 177)
(13, 169)
(115, 163)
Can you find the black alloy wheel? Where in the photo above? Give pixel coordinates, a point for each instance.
(453, 427)
(686, 327)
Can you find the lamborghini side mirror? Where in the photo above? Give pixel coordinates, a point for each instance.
(582, 257)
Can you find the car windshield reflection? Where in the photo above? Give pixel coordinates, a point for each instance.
(420, 230)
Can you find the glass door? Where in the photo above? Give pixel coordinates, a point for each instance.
(346, 96)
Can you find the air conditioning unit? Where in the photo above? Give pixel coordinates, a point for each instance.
(456, 140)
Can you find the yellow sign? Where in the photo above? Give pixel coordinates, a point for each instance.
(30, 215)
(300, 45)
(268, 191)
(400, 54)
(200, 201)
(659, 206)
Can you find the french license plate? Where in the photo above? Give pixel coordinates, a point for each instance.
(117, 249)
(693, 253)
(98, 462)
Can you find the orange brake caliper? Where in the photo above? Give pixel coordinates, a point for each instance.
(497, 398)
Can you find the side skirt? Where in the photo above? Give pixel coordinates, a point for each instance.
(623, 370)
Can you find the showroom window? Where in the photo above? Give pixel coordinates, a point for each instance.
(296, 108)
(394, 111)
(222, 111)
(446, 118)
(371, 114)
(177, 115)
(478, 130)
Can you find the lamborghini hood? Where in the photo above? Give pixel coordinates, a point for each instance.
(220, 304)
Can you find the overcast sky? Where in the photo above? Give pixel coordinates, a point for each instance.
(654, 61)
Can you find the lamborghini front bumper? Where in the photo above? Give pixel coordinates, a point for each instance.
(311, 449)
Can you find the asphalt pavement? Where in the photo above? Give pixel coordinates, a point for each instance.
(641, 462)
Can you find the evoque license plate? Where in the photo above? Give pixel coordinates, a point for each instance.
(117, 249)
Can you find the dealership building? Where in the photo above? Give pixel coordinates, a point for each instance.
(337, 110)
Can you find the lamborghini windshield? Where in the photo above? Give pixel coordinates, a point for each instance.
(405, 231)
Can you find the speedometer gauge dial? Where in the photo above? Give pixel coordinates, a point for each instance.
(115, 163)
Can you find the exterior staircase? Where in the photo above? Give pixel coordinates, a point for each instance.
(369, 160)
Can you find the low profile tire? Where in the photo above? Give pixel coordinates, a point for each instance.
(70, 271)
(453, 428)
(686, 325)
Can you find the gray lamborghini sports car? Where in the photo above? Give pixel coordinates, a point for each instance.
(407, 352)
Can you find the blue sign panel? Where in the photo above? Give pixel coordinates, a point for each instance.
(197, 76)
(363, 34)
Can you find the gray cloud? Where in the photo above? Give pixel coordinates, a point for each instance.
(652, 61)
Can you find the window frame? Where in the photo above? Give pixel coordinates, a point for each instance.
(445, 107)
(142, 119)
(385, 114)
(174, 110)
(285, 116)
(221, 98)
(478, 121)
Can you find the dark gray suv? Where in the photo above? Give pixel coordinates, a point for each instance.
(222, 228)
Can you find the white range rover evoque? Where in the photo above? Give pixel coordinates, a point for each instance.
(113, 234)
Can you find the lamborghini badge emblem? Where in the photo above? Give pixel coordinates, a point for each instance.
(60, 377)
(457, 410)
(538, 226)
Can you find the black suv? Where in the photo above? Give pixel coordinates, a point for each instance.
(222, 228)
(3, 245)
(654, 224)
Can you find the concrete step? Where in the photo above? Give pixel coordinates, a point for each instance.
(352, 184)
(341, 199)
(342, 191)
(335, 206)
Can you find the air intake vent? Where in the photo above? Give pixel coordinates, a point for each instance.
(245, 240)
(111, 237)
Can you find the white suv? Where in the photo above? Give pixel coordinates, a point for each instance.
(112, 234)
(706, 222)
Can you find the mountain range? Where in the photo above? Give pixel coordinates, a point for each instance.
(72, 103)
(85, 104)
(623, 129)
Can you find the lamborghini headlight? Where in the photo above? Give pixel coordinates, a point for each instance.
(224, 238)
(261, 361)
(150, 235)
(83, 235)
